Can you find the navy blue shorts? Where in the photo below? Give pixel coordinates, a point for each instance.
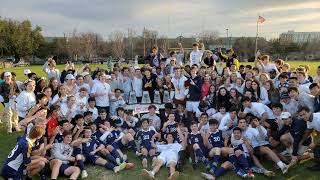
(9, 173)
(118, 144)
(63, 168)
(76, 151)
(91, 158)
(147, 146)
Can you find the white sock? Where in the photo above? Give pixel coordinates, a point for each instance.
(280, 164)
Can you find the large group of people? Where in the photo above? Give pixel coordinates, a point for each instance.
(224, 115)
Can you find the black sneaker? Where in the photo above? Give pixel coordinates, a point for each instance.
(315, 167)
(194, 165)
(179, 167)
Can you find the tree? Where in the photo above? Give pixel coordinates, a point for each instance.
(208, 37)
(117, 44)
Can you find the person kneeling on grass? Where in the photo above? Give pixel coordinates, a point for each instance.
(91, 149)
(168, 156)
(64, 151)
(19, 158)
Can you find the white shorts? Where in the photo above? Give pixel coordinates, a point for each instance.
(192, 105)
(168, 157)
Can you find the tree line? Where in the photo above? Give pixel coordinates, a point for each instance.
(20, 39)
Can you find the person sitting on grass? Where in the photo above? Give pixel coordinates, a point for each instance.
(91, 150)
(71, 166)
(146, 137)
(168, 156)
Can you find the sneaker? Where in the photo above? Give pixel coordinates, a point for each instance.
(43, 177)
(250, 174)
(269, 173)
(242, 174)
(208, 176)
(120, 167)
(147, 174)
(179, 167)
(84, 174)
(285, 169)
(286, 152)
(194, 165)
(118, 161)
(130, 165)
(145, 163)
(174, 176)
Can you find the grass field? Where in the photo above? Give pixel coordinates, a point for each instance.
(7, 142)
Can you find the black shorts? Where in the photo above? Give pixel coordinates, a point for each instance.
(63, 168)
(273, 124)
(256, 150)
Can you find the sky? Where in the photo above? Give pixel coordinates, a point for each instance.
(169, 17)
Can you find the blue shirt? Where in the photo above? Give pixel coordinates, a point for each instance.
(145, 137)
(215, 139)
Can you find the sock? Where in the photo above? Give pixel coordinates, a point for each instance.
(109, 165)
(233, 160)
(80, 164)
(243, 160)
(219, 172)
(280, 164)
(200, 155)
(110, 158)
(132, 144)
(115, 153)
(216, 159)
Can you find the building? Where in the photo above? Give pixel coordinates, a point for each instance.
(300, 37)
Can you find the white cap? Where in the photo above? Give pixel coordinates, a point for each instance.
(27, 71)
(7, 74)
(85, 74)
(285, 115)
(108, 77)
(70, 76)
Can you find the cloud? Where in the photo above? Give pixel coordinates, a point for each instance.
(168, 17)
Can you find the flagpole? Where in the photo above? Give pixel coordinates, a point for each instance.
(256, 48)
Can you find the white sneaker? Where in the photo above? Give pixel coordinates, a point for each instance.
(118, 161)
(285, 169)
(84, 174)
(208, 176)
(147, 174)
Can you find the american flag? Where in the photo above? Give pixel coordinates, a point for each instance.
(261, 19)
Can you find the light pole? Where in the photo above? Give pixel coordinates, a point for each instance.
(227, 40)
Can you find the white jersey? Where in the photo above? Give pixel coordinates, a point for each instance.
(315, 123)
(195, 57)
(257, 109)
(101, 87)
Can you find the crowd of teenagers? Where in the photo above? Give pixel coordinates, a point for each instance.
(224, 115)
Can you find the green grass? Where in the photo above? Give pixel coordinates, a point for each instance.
(7, 142)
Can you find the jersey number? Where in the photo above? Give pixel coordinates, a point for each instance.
(12, 152)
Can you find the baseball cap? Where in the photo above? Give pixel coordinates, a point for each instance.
(69, 76)
(285, 115)
(26, 71)
(108, 77)
(85, 74)
(284, 95)
(7, 74)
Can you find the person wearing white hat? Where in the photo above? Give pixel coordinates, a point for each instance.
(26, 72)
(9, 90)
(49, 68)
(71, 86)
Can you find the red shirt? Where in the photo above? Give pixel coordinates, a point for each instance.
(204, 90)
(52, 124)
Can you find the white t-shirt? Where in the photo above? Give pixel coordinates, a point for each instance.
(223, 126)
(179, 87)
(137, 86)
(315, 123)
(101, 87)
(257, 109)
(25, 101)
(205, 128)
(195, 57)
(252, 134)
(268, 68)
(94, 111)
(156, 121)
(218, 116)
